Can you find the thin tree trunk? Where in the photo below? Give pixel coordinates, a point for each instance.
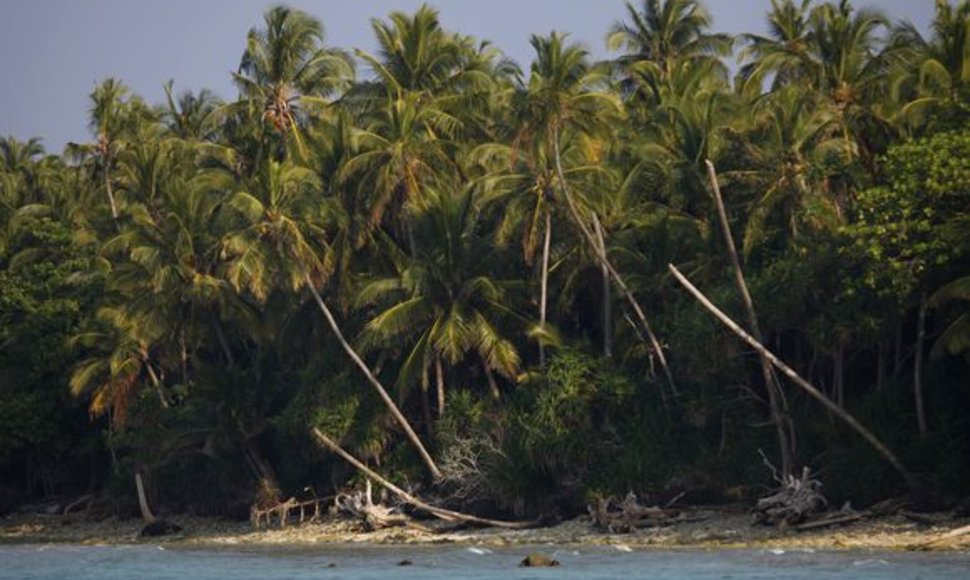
(439, 376)
(146, 512)
(426, 404)
(839, 412)
(544, 285)
(604, 260)
(607, 298)
(395, 412)
(159, 389)
(918, 367)
(772, 386)
(264, 471)
(223, 343)
(838, 375)
(492, 385)
(109, 190)
(441, 513)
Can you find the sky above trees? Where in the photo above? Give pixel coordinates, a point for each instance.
(52, 52)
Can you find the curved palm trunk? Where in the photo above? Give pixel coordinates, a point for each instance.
(108, 189)
(439, 375)
(819, 396)
(146, 512)
(605, 262)
(395, 411)
(544, 283)
(776, 402)
(607, 299)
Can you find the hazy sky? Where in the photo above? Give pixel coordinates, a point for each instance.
(53, 52)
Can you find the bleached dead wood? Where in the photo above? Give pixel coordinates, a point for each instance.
(798, 498)
(629, 515)
(438, 512)
(836, 410)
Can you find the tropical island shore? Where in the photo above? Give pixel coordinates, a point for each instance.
(714, 529)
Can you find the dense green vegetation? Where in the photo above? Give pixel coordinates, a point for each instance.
(185, 295)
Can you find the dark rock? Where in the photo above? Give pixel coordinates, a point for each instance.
(159, 528)
(332, 565)
(405, 563)
(537, 560)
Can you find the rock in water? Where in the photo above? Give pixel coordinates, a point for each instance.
(537, 560)
(405, 563)
(159, 528)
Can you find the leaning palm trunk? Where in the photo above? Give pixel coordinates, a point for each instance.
(775, 395)
(834, 408)
(605, 262)
(146, 512)
(395, 411)
(544, 291)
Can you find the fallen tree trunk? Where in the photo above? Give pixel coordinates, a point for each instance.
(441, 513)
(838, 411)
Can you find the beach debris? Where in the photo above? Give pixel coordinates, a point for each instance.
(263, 512)
(438, 512)
(629, 515)
(537, 560)
(360, 504)
(798, 498)
(957, 537)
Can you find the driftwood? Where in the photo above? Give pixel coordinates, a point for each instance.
(283, 511)
(360, 504)
(951, 537)
(798, 498)
(438, 512)
(836, 410)
(833, 520)
(629, 515)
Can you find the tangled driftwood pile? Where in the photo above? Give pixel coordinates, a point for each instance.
(629, 515)
(798, 498)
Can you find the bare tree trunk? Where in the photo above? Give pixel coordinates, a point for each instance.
(381, 391)
(838, 375)
(223, 343)
(146, 512)
(918, 367)
(159, 389)
(439, 375)
(492, 385)
(544, 285)
(607, 298)
(604, 260)
(426, 404)
(109, 190)
(772, 386)
(441, 513)
(839, 412)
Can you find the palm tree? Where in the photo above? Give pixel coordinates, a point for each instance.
(285, 69)
(936, 71)
(562, 98)
(785, 53)
(278, 240)
(190, 117)
(662, 36)
(445, 301)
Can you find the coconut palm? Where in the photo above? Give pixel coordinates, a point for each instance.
(445, 302)
(285, 69)
(784, 53)
(277, 241)
(935, 72)
(661, 36)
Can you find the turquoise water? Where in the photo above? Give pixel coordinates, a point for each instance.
(30, 562)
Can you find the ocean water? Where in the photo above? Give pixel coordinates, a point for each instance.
(28, 562)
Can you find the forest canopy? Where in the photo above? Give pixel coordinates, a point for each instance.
(456, 266)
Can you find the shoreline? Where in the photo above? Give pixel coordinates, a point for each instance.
(718, 529)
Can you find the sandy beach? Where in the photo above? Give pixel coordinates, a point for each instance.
(709, 530)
